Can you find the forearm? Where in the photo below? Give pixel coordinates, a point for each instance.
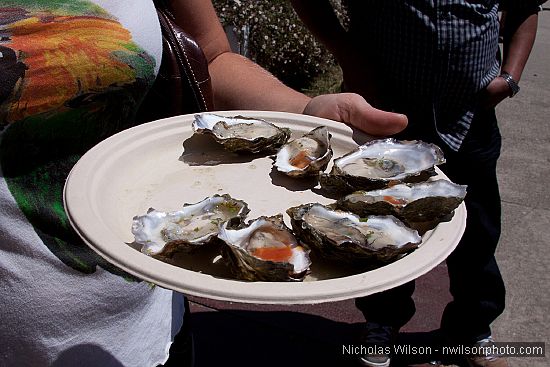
(239, 83)
(519, 37)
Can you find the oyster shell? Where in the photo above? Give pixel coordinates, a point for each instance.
(162, 234)
(266, 250)
(241, 134)
(305, 156)
(379, 163)
(420, 205)
(345, 237)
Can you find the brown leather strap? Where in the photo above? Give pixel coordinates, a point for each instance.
(183, 84)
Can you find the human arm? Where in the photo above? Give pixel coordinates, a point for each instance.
(519, 32)
(519, 29)
(238, 83)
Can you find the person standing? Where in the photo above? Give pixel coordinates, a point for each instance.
(72, 73)
(439, 63)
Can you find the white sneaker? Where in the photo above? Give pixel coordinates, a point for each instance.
(487, 359)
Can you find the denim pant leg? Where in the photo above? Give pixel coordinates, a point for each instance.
(475, 280)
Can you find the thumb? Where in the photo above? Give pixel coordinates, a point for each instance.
(354, 110)
(359, 113)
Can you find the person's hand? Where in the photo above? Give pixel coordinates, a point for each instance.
(354, 110)
(495, 92)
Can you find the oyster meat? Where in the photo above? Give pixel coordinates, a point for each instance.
(241, 134)
(345, 237)
(305, 156)
(379, 163)
(265, 250)
(420, 205)
(162, 234)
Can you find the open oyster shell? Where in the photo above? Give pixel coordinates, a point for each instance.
(305, 156)
(420, 205)
(345, 237)
(162, 234)
(379, 163)
(241, 134)
(265, 250)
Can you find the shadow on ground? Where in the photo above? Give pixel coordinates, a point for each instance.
(252, 338)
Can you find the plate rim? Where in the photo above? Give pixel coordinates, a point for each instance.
(208, 286)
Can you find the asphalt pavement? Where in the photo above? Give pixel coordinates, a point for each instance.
(234, 334)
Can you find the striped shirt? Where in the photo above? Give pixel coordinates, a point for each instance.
(434, 55)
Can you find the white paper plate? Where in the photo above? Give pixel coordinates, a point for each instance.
(162, 165)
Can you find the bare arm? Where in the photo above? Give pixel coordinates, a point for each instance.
(519, 36)
(519, 32)
(238, 83)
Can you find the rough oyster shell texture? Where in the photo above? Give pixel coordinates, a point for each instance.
(345, 237)
(367, 232)
(265, 250)
(305, 156)
(420, 205)
(162, 234)
(241, 134)
(380, 163)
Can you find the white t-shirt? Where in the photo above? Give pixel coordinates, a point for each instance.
(72, 72)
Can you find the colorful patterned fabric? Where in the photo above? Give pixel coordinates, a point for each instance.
(72, 72)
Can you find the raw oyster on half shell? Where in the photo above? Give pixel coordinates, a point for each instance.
(345, 237)
(305, 156)
(162, 234)
(241, 134)
(265, 250)
(380, 163)
(420, 205)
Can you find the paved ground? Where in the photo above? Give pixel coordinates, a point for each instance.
(524, 174)
(231, 334)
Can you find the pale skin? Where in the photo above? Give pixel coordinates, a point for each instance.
(238, 83)
(519, 31)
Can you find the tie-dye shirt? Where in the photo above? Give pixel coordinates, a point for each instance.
(72, 72)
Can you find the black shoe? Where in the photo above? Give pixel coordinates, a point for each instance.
(377, 343)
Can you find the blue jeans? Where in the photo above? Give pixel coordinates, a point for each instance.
(475, 280)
